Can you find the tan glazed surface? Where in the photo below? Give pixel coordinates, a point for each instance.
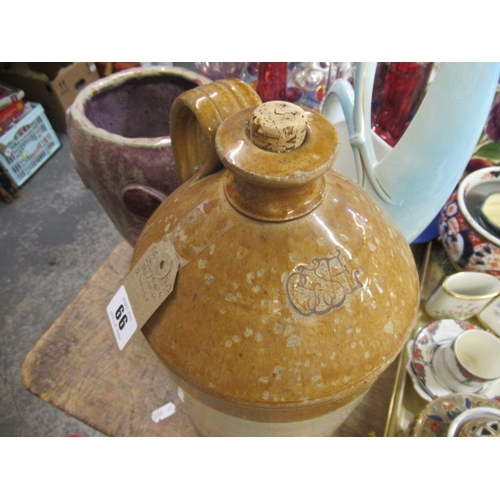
(295, 289)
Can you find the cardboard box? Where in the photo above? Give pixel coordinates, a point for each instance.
(27, 146)
(53, 85)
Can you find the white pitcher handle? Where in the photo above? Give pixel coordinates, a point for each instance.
(356, 106)
(342, 91)
(365, 77)
(361, 137)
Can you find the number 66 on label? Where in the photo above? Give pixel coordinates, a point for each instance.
(121, 317)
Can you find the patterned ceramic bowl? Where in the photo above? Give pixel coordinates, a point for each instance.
(438, 416)
(469, 242)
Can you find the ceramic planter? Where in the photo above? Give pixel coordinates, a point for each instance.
(119, 133)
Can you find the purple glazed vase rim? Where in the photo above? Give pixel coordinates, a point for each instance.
(471, 180)
(77, 109)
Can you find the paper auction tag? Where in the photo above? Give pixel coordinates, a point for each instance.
(121, 317)
(147, 285)
(162, 413)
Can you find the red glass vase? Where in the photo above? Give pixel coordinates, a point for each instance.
(404, 88)
(272, 81)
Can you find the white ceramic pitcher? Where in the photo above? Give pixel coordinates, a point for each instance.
(414, 179)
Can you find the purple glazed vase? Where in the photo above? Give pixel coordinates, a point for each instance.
(119, 133)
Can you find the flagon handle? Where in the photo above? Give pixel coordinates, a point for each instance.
(195, 118)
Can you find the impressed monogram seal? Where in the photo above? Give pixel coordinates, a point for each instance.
(321, 286)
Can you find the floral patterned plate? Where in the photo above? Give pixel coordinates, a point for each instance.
(436, 418)
(422, 350)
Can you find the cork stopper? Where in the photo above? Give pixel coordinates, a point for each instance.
(278, 126)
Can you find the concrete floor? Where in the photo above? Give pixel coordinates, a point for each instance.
(52, 240)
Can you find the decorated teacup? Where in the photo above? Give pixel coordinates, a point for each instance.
(468, 236)
(470, 360)
(462, 295)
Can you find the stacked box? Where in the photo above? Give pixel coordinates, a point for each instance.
(28, 145)
(53, 84)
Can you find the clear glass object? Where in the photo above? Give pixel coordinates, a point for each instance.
(220, 70)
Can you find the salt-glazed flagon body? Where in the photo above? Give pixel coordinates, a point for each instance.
(295, 289)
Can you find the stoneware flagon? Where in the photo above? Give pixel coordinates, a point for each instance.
(119, 135)
(295, 290)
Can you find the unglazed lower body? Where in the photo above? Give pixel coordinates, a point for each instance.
(213, 423)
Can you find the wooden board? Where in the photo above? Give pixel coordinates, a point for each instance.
(77, 367)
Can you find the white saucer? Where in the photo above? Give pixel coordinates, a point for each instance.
(490, 316)
(421, 391)
(421, 351)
